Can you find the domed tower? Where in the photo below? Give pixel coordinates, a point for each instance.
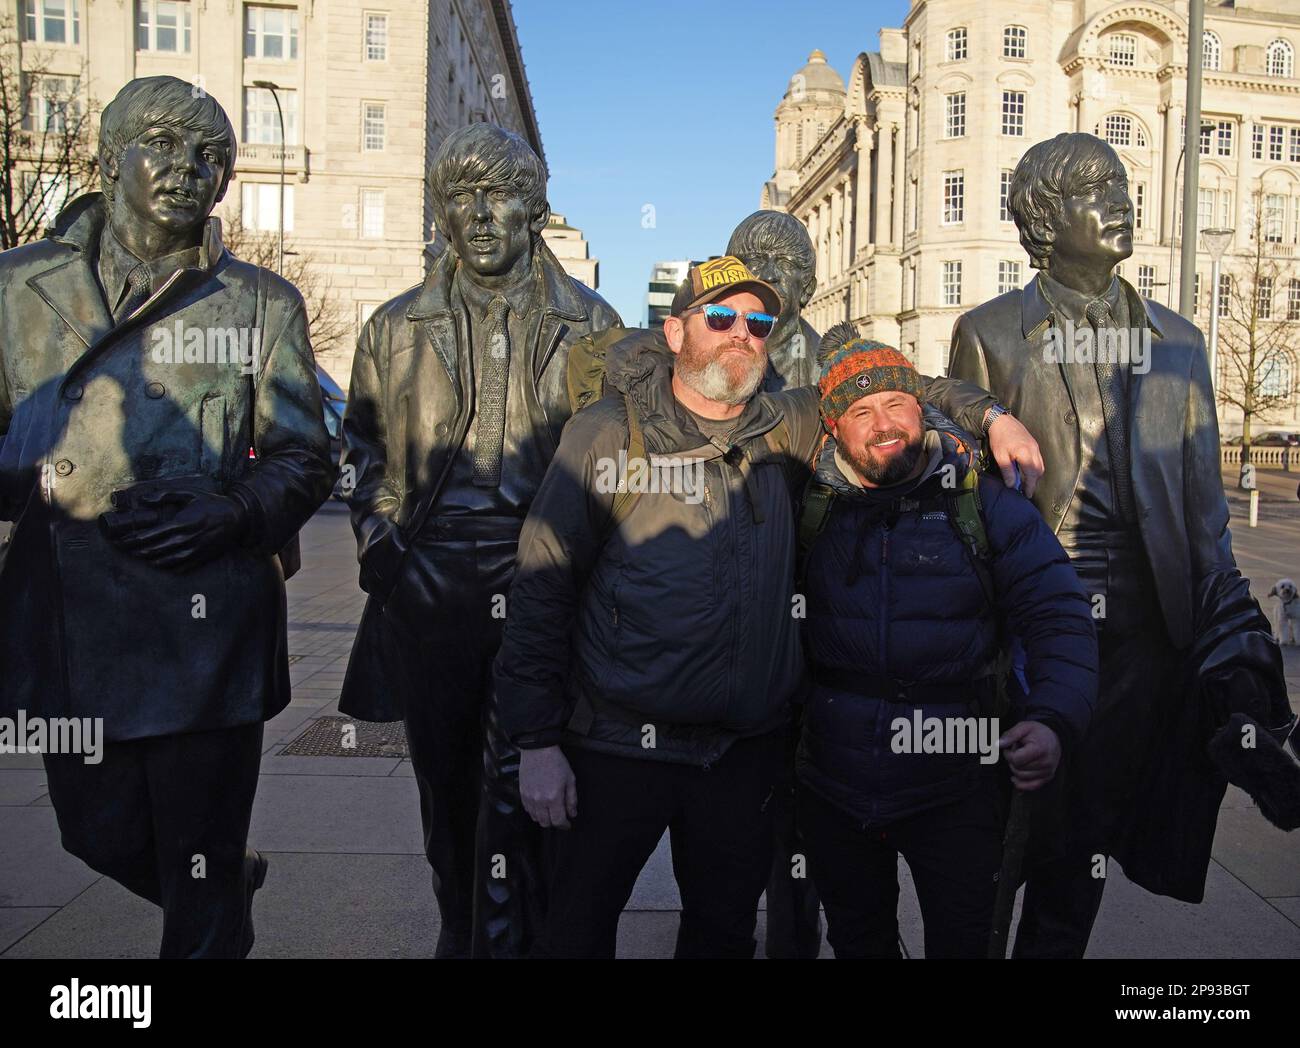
(812, 102)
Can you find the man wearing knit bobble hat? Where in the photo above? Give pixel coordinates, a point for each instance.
(915, 569)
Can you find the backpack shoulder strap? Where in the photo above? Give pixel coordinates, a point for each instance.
(814, 512)
(625, 498)
(967, 515)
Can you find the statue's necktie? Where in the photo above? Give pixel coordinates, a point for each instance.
(1114, 409)
(139, 289)
(494, 376)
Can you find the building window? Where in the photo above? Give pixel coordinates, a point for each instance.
(1257, 141)
(1211, 51)
(1146, 280)
(1225, 292)
(374, 117)
(1013, 41)
(1123, 49)
(1274, 217)
(957, 44)
(1224, 146)
(1196, 292)
(910, 205)
(1275, 135)
(1004, 193)
(372, 213)
(1225, 208)
(260, 206)
(270, 32)
(52, 21)
(954, 197)
(1293, 300)
(1139, 205)
(952, 283)
(1265, 298)
(1275, 375)
(1119, 131)
(376, 37)
(1204, 208)
(262, 122)
(1013, 113)
(1008, 276)
(163, 25)
(1279, 60)
(50, 102)
(1207, 139)
(954, 124)
(1293, 139)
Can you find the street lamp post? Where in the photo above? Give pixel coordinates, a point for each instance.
(274, 89)
(1216, 243)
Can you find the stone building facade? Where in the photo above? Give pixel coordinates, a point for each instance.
(368, 90)
(899, 173)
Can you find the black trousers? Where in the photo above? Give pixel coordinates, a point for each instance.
(1083, 811)
(720, 825)
(447, 614)
(954, 853)
(794, 929)
(168, 819)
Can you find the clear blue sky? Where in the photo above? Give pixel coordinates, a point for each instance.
(671, 104)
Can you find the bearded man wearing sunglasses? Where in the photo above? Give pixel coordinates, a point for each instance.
(652, 625)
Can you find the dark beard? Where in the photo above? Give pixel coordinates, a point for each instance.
(883, 474)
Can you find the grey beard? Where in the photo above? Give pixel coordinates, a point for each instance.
(712, 382)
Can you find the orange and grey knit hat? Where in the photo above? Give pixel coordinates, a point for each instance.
(854, 367)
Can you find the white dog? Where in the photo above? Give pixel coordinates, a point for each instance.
(1286, 612)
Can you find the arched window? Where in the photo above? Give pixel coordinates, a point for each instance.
(1013, 41)
(1280, 59)
(1119, 130)
(1123, 49)
(1211, 51)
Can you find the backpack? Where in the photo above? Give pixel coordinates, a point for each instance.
(585, 380)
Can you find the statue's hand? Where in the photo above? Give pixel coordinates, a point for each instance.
(1012, 445)
(190, 529)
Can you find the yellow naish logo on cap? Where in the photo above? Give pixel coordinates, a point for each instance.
(719, 272)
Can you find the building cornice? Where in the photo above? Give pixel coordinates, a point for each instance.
(505, 22)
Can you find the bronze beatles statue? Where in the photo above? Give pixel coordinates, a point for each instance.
(141, 585)
(457, 401)
(777, 248)
(1117, 390)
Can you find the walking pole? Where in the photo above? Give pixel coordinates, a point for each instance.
(1014, 842)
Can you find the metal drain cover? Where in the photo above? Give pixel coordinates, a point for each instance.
(345, 737)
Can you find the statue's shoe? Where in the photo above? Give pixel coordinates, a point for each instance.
(255, 867)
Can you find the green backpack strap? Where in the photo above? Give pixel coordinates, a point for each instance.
(624, 497)
(814, 512)
(967, 516)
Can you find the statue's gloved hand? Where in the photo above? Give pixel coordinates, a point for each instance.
(178, 530)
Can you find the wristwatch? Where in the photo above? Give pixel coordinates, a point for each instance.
(991, 415)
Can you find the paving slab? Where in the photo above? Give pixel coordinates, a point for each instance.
(34, 868)
(1257, 853)
(105, 921)
(17, 921)
(325, 813)
(1232, 922)
(19, 786)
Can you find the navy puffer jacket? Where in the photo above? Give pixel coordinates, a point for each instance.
(898, 596)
